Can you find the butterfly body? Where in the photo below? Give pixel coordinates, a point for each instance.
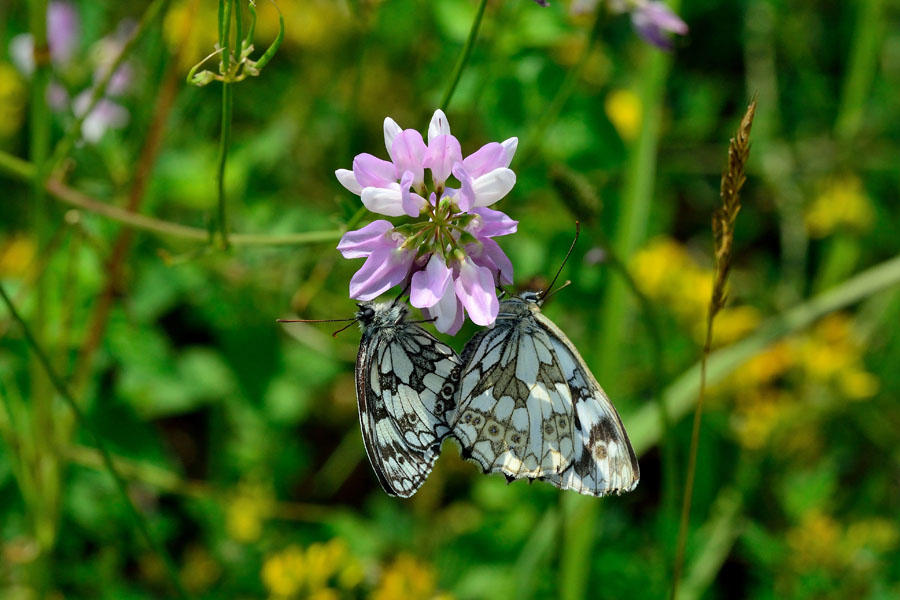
(406, 383)
(529, 407)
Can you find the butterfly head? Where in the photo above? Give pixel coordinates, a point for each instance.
(379, 315)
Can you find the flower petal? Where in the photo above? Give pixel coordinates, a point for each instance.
(465, 196)
(360, 243)
(371, 171)
(411, 203)
(503, 268)
(428, 286)
(493, 186)
(407, 151)
(491, 223)
(510, 146)
(475, 289)
(385, 268)
(484, 160)
(348, 180)
(448, 312)
(438, 126)
(384, 201)
(391, 129)
(443, 152)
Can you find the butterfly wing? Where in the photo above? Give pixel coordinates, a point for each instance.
(604, 461)
(515, 411)
(405, 382)
(530, 408)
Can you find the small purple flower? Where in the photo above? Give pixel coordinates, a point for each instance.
(63, 32)
(450, 262)
(653, 21)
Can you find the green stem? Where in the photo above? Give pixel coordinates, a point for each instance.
(224, 142)
(463, 59)
(564, 91)
(861, 68)
(61, 388)
(65, 144)
(225, 11)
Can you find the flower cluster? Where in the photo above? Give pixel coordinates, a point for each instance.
(449, 262)
(64, 38)
(652, 19)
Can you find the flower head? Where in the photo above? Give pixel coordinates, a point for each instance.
(449, 261)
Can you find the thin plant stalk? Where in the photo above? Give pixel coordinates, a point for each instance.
(464, 56)
(62, 389)
(225, 11)
(723, 221)
(564, 92)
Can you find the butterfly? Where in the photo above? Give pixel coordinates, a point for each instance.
(529, 407)
(406, 382)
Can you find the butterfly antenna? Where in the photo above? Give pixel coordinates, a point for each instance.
(568, 254)
(344, 328)
(402, 292)
(557, 290)
(313, 320)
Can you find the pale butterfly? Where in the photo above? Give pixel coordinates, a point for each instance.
(406, 382)
(529, 407)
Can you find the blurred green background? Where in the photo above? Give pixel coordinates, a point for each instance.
(240, 437)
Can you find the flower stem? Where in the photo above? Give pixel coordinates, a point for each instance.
(463, 59)
(61, 388)
(565, 90)
(733, 178)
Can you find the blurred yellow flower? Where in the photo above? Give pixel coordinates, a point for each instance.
(841, 202)
(665, 272)
(830, 353)
(190, 30)
(764, 367)
(246, 512)
(406, 578)
(319, 24)
(757, 412)
(199, 569)
(16, 254)
(624, 109)
(815, 542)
(877, 534)
(283, 573)
(12, 100)
(732, 324)
(294, 570)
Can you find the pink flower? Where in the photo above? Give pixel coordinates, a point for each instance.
(449, 262)
(387, 262)
(652, 20)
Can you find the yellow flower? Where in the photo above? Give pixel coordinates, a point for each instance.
(764, 367)
(283, 572)
(12, 100)
(324, 594)
(624, 109)
(199, 570)
(406, 578)
(757, 412)
(246, 512)
(16, 254)
(323, 560)
(815, 543)
(841, 202)
(733, 323)
(857, 384)
(190, 30)
(878, 534)
(318, 24)
(658, 264)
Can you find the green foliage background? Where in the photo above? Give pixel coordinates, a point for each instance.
(240, 437)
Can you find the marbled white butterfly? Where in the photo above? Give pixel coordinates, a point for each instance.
(530, 408)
